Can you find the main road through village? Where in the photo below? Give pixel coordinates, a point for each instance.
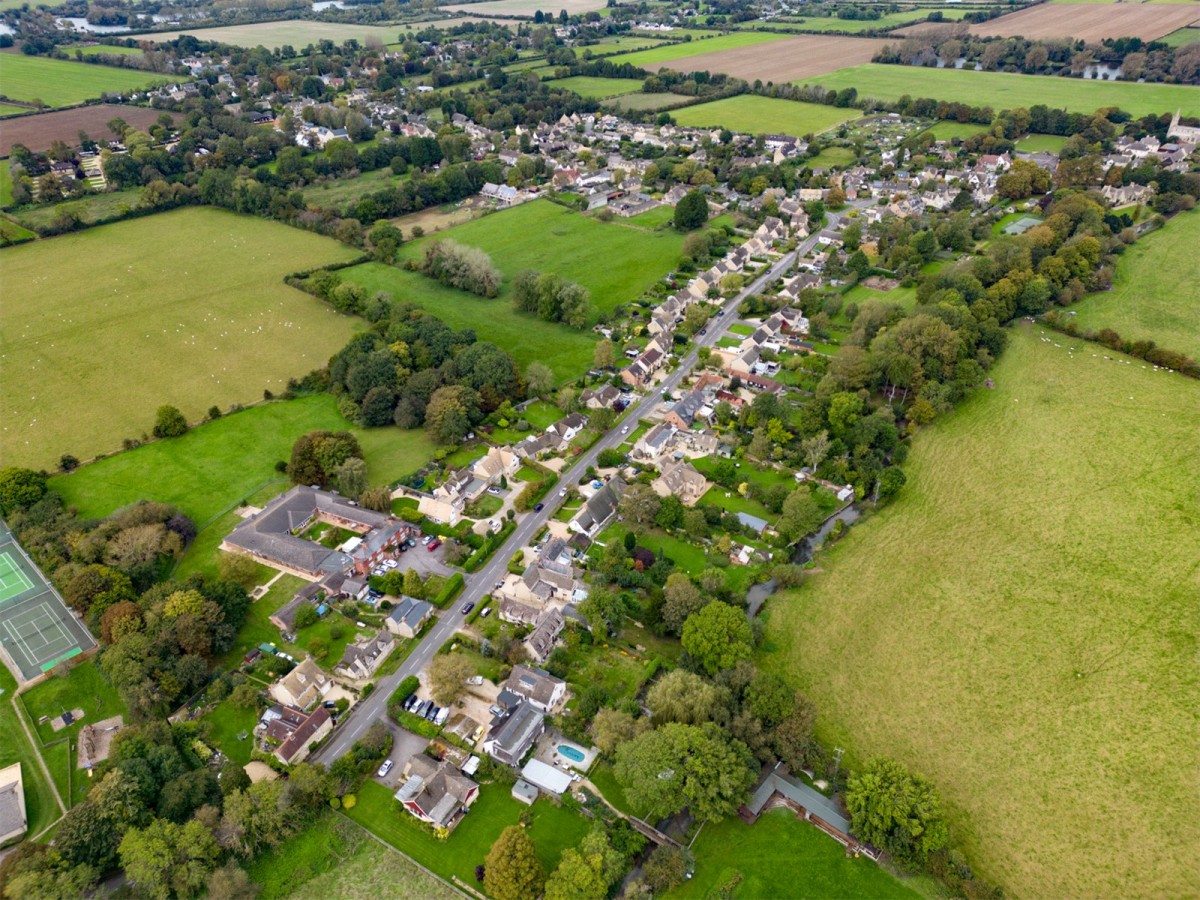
(479, 584)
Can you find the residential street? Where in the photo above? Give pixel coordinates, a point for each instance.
(479, 584)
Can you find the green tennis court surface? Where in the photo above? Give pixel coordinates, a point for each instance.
(37, 630)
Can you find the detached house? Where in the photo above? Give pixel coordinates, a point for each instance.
(541, 641)
(599, 510)
(436, 792)
(301, 687)
(537, 686)
(292, 732)
(682, 480)
(362, 660)
(603, 398)
(407, 617)
(513, 733)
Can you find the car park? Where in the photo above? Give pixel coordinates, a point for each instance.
(385, 768)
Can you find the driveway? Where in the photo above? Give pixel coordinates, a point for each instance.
(425, 562)
(405, 745)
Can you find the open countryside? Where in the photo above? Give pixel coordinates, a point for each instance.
(215, 328)
(297, 33)
(789, 59)
(1156, 291)
(998, 653)
(57, 82)
(1002, 90)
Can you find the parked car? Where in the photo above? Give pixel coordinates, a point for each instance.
(385, 768)
(495, 490)
(329, 704)
(410, 702)
(433, 545)
(487, 611)
(410, 543)
(425, 540)
(442, 716)
(539, 507)
(432, 712)
(467, 607)
(423, 708)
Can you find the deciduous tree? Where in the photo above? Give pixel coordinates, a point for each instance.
(513, 870)
(717, 637)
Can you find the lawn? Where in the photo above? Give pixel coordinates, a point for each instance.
(257, 629)
(83, 687)
(541, 415)
(12, 233)
(832, 157)
(598, 88)
(655, 218)
(757, 115)
(1041, 143)
(1156, 290)
(216, 335)
(949, 131)
(104, 50)
(41, 808)
(687, 557)
(647, 101)
(297, 33)
(1020, 624)
(781, 855)
(214, 467)
(574, 246)
(1182, 37)
(1002, 90)
(225, 722)
(860, 294)
(553, 829)
(334, 857)
(341, 194)
(650, 59)
(57, 82)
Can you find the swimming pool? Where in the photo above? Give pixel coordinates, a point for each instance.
(570, 753)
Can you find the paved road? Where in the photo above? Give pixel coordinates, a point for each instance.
(479, 584)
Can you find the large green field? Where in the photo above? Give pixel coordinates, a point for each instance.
(58, 82)
(297, 33)
(649, 59)
(1156, 291)
(853, 26)
(758, 115)
(217, 465)
(1005, 91)
(1020, 625)
(187, 307)
(781, 855)
(615, 262)
(598, 88)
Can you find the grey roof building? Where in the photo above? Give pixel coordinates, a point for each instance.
(512, 735)
(407, 616)
(599, 509)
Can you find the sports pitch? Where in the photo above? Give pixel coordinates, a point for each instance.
(37, 631)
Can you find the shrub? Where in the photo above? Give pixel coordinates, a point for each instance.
(349, 801)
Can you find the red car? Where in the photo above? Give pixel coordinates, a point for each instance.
(434, 544)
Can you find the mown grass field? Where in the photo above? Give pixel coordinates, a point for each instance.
(1004, 91)
(101, 327)
(1156, 291)
(298, 33)
(89, 209)
(781, 856)
(104, 50)
(646, 101)
(948, 131)
(1182, 37)
(1038, 143)
(41, 809)
(598, 88)
(615, 262)
(854, 26)
(1020, 625)
(58, 82)
(650, 59)
(762, 115)
(219, 464)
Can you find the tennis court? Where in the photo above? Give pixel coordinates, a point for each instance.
(37, 630)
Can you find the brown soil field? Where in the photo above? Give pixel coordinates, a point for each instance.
(1091, 22)
(790, 59)
(36, 132)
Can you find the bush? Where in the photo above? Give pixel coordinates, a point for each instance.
(454, 584)
(169, 422)
(306, 615)
(349, 801)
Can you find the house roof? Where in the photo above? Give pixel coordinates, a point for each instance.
(411, 611)
(306, 676)
(602, 504)
(516, 730)
(546, 777)
(815, 802)
(13, 817)
(549, 627)
(437, 789)
(303, 733)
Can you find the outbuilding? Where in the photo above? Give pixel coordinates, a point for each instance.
(546, 777)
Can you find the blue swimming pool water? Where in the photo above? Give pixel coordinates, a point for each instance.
(570, 753)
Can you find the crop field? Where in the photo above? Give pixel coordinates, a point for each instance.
(101, 327)
(787, 59)
(598, 88)
(1182, 37)
(647, 101)
(1020, 625)
(297, 33)
(651, 59)
(218, 464)
(1001, 90)
(1091, 22)
(762, 115)
(781, 855)
(58, 82)
(37, 132)
(574, 246)
(523, 7)
(1156, 290)
(850, 26)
